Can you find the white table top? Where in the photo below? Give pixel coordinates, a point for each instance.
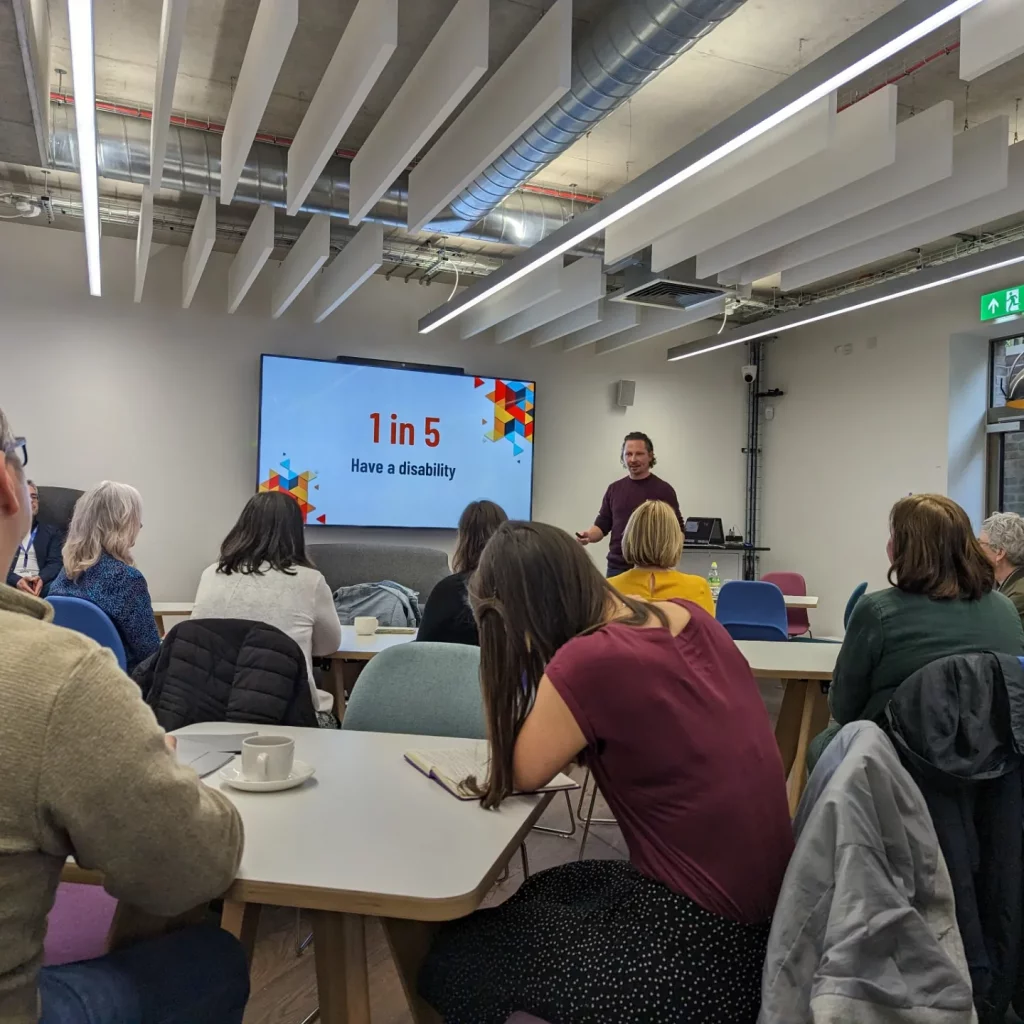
(361, 648)
(369, 833)
(802, 601)
(173, 607)
(792, 659)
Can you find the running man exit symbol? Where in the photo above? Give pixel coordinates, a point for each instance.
(996, 305)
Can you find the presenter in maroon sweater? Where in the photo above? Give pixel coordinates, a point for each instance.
(626, 495)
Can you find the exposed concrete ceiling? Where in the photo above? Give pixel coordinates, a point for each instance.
(760, 45)
(763, 43)
(20, 142)
(217, 32)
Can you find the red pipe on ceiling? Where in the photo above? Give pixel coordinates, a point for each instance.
(906, 72)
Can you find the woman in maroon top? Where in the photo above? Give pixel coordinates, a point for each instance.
(665, 711)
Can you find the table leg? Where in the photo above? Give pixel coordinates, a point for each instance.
(340, 680)
(242, 920)
(159, 624)
(410, 943)
(339, 944)
(813, 718)
(787, 726)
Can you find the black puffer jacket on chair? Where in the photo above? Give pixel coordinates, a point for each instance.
(958, 727)
(227, 670)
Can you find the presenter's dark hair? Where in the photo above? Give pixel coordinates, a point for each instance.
(638, 435)
(268, 534)
(534, 590)
(477, 524)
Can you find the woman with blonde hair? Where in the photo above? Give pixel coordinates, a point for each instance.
(653, 544)
(941, 600)
(98, 565)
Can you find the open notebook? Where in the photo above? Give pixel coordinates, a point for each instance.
(452, 767)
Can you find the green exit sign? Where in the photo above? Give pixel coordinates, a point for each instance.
(1002, 303)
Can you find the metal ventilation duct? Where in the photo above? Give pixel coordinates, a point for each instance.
(630, 45)
(192, 165)
(635, 40)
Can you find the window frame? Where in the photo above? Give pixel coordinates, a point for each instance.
(995, 442)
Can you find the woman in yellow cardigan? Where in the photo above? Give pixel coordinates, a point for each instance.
(653, 544)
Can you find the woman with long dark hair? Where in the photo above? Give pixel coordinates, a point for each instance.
(447, 617)
(664, 709)
(264, 574)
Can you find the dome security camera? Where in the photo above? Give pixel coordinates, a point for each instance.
(749, 373)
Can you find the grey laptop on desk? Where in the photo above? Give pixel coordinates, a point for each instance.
(703, 531)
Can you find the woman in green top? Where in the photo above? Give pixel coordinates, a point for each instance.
(941, 601)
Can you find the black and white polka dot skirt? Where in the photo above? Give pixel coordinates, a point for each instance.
(596, 942)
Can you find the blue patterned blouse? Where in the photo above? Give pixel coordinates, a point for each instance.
(121, 591)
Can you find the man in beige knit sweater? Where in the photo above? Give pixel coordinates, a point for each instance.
(85, 771)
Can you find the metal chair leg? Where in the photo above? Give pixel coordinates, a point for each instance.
(526, 860)
(564, 833)
(590, 820)
(301, 944)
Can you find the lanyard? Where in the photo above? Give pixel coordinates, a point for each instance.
(27, 547)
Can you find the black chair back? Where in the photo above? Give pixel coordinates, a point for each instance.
(57, 505)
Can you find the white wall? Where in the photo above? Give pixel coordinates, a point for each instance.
(166, 398)
(902, 412)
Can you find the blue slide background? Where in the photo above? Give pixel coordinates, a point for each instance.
(317, 414)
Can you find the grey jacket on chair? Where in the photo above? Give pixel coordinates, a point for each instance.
(390, 603)
(865, 929)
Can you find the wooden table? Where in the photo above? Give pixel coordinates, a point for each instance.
(369, 836)
(802, 667)
(173, 610)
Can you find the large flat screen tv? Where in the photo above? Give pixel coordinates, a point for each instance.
(373, 444)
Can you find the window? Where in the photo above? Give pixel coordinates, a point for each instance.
(1005, 443)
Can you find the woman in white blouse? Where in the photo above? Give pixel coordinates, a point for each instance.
(264, 574)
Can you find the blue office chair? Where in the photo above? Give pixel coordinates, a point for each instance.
(752, 610)
(88, 618)
(858, 593)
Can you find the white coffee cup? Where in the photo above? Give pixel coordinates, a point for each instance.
(366, 625)
(267, 758)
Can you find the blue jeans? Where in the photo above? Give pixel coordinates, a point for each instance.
(196, 975)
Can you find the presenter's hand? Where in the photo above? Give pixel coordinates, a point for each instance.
(583, 538)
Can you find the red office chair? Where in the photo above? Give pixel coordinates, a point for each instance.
(795, 585)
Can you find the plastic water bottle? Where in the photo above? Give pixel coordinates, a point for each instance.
(714, 581)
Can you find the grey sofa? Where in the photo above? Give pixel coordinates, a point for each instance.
(348, 562)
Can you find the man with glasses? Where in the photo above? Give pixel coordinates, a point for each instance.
(86, 773)
(38, 559)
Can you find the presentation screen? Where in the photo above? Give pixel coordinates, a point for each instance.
(359, 444)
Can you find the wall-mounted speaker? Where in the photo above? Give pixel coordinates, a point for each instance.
(625, 392)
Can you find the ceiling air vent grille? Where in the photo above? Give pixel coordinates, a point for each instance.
(666, 294)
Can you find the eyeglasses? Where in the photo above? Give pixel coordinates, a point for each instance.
(18, 448)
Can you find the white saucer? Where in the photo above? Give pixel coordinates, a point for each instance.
(232, 775)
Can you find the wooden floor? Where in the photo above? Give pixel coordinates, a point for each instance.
(284, 984)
